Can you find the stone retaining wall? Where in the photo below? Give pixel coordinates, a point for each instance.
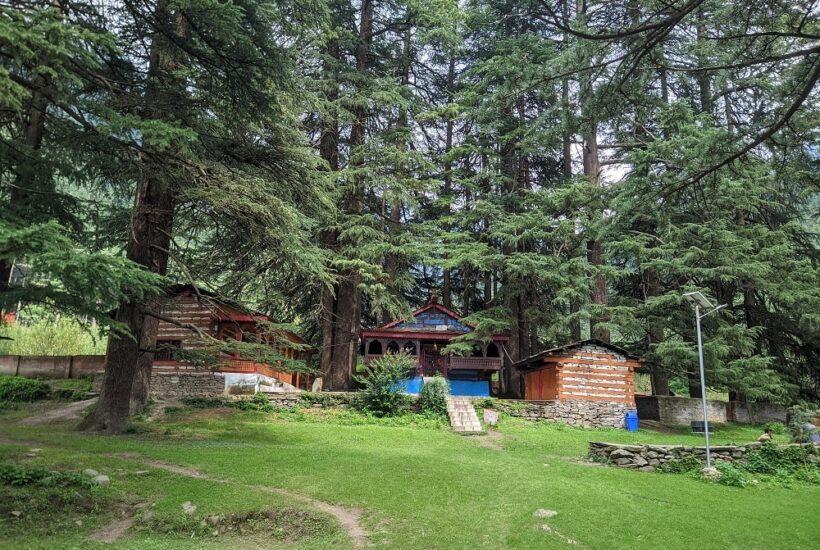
(650, 457)
(314, 400)
(590, 414)
(179, 385)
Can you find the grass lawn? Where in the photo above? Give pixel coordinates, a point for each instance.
(416, 486)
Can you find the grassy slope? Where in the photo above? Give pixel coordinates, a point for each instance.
(431, 488)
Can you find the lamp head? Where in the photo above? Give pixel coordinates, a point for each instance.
(697, 298)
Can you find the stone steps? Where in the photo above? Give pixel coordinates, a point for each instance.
(463, 417)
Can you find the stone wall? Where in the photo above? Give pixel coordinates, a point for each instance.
(756, 413)
(314, 400)
(651, 457)
(678, 410)
(51, 366)
(682, 410)
(179, 385)
(591, 414)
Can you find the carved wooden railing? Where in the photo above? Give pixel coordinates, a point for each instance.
(476, 363)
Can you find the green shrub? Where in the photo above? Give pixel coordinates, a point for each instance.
(800, 417)
(681, 466)
(731, 475)
(20, 476)
(52, 337)
(776, 428)
(773, 459)
(381, 393)
(17, 389)
(433, 396)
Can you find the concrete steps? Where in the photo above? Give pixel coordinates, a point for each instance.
(463, 417)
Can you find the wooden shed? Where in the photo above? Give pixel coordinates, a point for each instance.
(589, 370)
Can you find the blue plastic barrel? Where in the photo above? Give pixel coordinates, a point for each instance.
(631, 421)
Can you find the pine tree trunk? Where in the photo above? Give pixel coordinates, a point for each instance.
(26, 181)
(329, 151)
(126, 381)
(348, 310)
(595, 248)
(446, 284)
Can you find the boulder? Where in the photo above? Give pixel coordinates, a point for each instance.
(544, 513)
(91, 473)
(620, 453)
(102, 480)
(639, 460)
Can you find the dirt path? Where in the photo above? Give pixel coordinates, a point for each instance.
(113, 531)
(70, 411)
(349, 518)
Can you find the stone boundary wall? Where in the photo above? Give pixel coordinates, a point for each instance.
(574, 412)
(683, 410)
(52, 366)
(650, 457)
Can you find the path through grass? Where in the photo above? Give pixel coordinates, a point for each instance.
(428, 488)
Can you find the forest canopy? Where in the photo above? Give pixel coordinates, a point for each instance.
(554, 170)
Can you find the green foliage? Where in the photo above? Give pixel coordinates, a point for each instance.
(731, 475)
(46, 336)
(21, 476)
(433, 396)
(682, 465)
(779, 460)
(777, 428)
(801, 416)
(381, 394)
(17, 389)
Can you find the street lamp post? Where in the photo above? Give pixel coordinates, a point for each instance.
(699, 300)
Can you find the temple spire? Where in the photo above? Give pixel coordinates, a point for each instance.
(433, 297)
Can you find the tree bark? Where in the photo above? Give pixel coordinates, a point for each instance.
(592, 168)
(128, 363)
(348, 310)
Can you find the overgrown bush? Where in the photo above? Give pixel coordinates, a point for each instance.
(731, 475)
(21, 476)
(773, 459)
(776, 428)
(16, 389)
(381, 393)
(681, 466)
(433, 396)
(801, 416)
(51, 337)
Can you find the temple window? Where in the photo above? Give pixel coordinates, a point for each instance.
(374, 348)
(492, 351)
(392, 347)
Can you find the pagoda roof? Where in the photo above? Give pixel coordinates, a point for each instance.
(432, 321)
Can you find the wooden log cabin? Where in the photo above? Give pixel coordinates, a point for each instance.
(190, 307)
(424, 334)
(589, 370)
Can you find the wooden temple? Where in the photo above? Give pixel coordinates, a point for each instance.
(193, 309)
(424, 334)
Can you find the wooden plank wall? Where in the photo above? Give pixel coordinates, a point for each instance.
(186, 309)
(594, 373)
